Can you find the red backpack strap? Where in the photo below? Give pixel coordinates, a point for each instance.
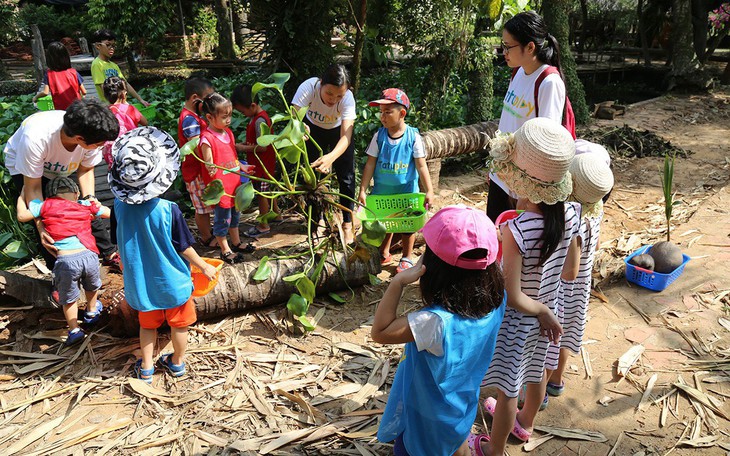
(541, 77)
(514, 73)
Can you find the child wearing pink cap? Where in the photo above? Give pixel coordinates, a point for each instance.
(396, 160)
(449, 343)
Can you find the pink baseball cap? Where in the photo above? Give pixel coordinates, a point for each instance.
(455, 230)
(392, 95)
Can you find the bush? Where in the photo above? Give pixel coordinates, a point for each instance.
(19, 87)
(54, 22)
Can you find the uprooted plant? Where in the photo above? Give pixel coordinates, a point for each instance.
(312, 198)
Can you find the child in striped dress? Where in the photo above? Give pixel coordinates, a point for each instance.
(592, 180)
(539, 247)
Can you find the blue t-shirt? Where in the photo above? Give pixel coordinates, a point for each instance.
(434, 399)
(71, 242)
(395, 170)
(190, 127)
(149, 236)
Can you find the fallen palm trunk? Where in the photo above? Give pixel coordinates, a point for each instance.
(237, 291)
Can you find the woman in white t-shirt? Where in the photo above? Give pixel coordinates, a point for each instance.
(529, 50)
(330, 118)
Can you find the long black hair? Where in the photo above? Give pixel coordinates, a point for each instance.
(211, 104)
(470, 293)
(57, 57)
(336, 75)
(530, 27)
(554, 217)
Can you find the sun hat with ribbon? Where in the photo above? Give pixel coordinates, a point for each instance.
(592, 180)
(455, 230)
(146, 162)
(534, 161)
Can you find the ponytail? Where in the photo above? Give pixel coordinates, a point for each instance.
(529, 27)
(550, 53)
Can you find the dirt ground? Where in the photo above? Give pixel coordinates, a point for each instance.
(254, 389)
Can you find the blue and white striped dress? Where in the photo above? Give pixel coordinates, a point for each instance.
(520, 353)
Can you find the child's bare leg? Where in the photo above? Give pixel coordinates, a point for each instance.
(235, 235)
(147, 339)
(179, 343)
(71, 312)
(463, 450)
(385, 246)
(347, 230)
(91, 297)
(534, 395)
(556, 378)
(408, 240)
(502, 424)
(223, 244)
(275, 208)
(264, 208)
(202, 221)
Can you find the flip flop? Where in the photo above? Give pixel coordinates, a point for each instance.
(386, 260)
(255, 232)
(518, 431)
(474, 441)
(405, 263)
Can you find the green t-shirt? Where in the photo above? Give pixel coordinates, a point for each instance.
(100, 70)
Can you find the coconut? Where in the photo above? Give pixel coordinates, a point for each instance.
(643, 261)
(667, 257)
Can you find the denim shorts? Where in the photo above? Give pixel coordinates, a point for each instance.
(70, 270)
(224, 219)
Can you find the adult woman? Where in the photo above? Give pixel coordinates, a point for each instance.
(330, 118)
(529, 50)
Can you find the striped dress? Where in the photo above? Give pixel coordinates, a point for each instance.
(575, 294)
(520, 353)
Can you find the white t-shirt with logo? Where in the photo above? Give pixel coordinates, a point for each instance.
(35, 149)
(321, 115)
(518, 105)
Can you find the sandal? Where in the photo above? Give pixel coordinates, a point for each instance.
(385, 260)
(232, 257)
(474, 441)
(554, 389)
(74, 337)
(206, 242)
(521, 399)
(405, 263)
(518, 431)
(176, 370)
(92, 316)
(143, 374)
(250, 248)
(255, 232)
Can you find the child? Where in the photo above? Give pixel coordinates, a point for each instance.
(449, 343)
(592, 180)
(155, 245)
(129, 117)
(538, 246)
(218, 146)
(189, 127)
(532, 53)
(102, 66)
(264, 158)
(396, 159)
(64, 83)
(68, 221)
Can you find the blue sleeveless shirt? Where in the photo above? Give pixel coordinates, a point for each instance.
(395, 170)
(434, 399)
(156, 277)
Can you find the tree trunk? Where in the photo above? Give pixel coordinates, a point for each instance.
(685, 65)
(481, 75)
(699, 28)
(435, 86)
(236, 290)
(360, 21)
(725, 78)
(555, 13)
(458, 141)
(225, 30)
(642, 33)
(239, 22)
(584, 28)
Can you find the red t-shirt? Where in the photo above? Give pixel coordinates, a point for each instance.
(224, 154)
(190, 168)
(264, 157)
(64, 87)
(63, 218)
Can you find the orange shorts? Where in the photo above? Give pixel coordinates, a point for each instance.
(177, 317)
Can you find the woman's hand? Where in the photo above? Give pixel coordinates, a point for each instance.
(549, 325)
(324, 163)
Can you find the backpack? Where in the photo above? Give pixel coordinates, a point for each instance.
(568, 114)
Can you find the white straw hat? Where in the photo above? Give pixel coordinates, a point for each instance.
(534, 162)
(586, 147)
(592, 180)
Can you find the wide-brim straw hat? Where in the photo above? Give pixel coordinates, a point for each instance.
(146, 162)
(534, 162)
(592, 180)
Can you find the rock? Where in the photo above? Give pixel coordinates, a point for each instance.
(644, 260)
(667, 257)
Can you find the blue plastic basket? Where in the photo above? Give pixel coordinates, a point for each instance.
(655, 281)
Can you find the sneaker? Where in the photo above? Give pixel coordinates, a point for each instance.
(74, 336)
(92, 316)
(113, 262)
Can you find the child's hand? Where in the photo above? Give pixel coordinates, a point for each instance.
(549, 325)
(211, 170)
(429, 200)
(410, 275)
(209, 271)
(362, 198)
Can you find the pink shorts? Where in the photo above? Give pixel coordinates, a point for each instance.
(195, 189)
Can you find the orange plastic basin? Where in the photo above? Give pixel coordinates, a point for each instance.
(201, 285)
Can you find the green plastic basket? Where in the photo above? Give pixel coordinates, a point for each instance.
(45, 103)
(384, 206)
(149, 112)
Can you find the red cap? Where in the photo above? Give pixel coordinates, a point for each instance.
(391, 96)
(455, 230)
